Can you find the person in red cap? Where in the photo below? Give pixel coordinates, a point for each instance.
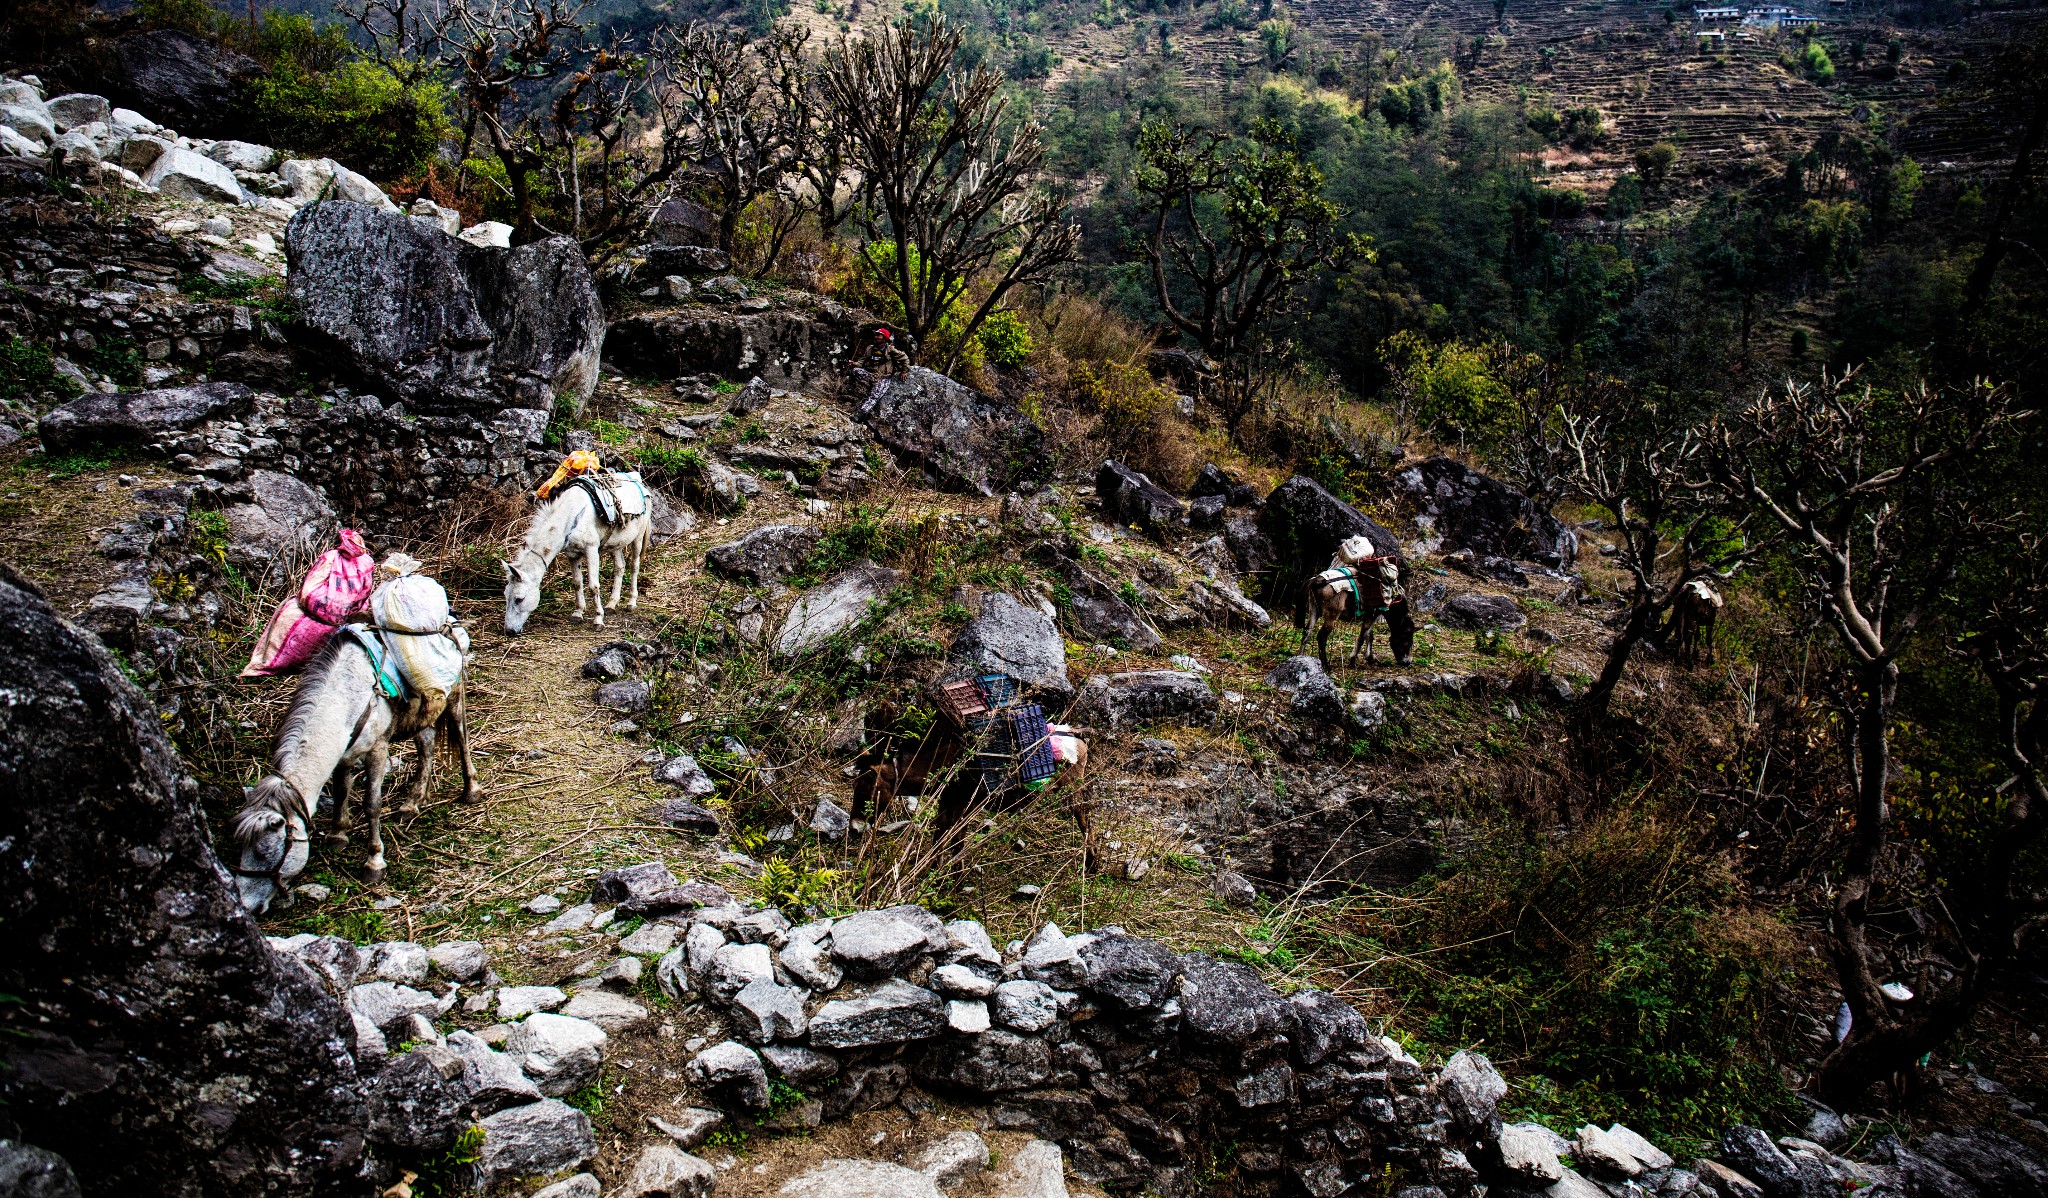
(883, 358)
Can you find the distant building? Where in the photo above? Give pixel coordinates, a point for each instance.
(1797, 21)
(1717, 14)
(1712, 37)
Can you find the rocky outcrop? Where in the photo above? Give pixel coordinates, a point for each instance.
(1132, 498)
(439, 324)
(186, 81)
(959, 438)
(840, 603)
(1118, 701)
(1303, 525)
(1460, 508)
(794, 347)
(138, 417)
(159, 1045)
(769, 553)
(1476, 611)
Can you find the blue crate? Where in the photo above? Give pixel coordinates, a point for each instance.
(999, 689)
(1031, 742)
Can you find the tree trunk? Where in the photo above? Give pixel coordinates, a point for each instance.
(1640, 618)
(1978, 289)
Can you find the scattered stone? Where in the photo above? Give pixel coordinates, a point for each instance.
(615, 886)
(650, 940)
(967, 1016)
(560, 1053)
(1530, 1154)
(399, 961)
(387, 1006)
(1725, 1182)
(1314, 695)
(615, 1014)
(830, 820)
(690, 1128)
(764, 1012)
(1133, 499)
(683, 772)
(810, 962)
(959, 981)
(461, 960)
(312, 892)
(860, 1179)
(1235, 889)
(952, 1159)
(1025, 1006)
(665, 1171)
(543, 904)
(608, 665)
(893, 1012)
(732, 1071)
(575, 919)
(799, 1066)
(1750, 1152)
(628, 694)
(685, 815)
(1037, 1171)
(583, 1185)
(138, 417)
(875, 944)
(1007, 637)
(535, 1140)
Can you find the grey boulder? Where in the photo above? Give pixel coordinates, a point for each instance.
(769, 553)
(184, 81)
(962, 439)
(416, 1104)
(1007, 637)
(536, 1139)
(562, 1054)
(1129, 972)
(875, 944)
(732, 1072)
(1311, 693)
(861, 1179)
(30, 1172)
(462, 960)
(1131, 498)
(665, 1171)
(439, 324)
(615, 886)
(841, 603)
(891, 1013)
(1475, 611)
(763, 1011)
(138, 417)
(1120, 701)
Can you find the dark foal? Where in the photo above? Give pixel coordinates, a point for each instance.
(886, 770)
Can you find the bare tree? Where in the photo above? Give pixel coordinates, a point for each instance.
(949, 179)
(1645, 466)
(727, 97)
(1237, 227)
(819, 148)
(1873, 490)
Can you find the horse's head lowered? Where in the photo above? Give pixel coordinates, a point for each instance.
(522, 593)
(271, 834)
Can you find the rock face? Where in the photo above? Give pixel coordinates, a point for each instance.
(1312, 695)
(538, 1138)
(1144, 697)
(181, 80)
(284, 522)
(961, 439)
(835, 606)
(1010, 638)
(1469, 510)
(437, 323)
(138, 417)
(146, 991)
(1303, 525)
(792, 348)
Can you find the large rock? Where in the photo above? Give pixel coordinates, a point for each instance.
(1469, 510)
(1009, 638)
(30, 1172)
(434, 322)
(1225, 1003)
(1303, 525)
(1099, 613)
(138, 417)
(1751, 1152)
(535, 1140)
(961, 439)
(184, 81)
(189, 176)
(1311, 693)
(158, 1043)
(1119, 701)
(769, 553)
(1994, 1163)
(665, 1171)
(861, 1179)
(840, 603)
(732, 1072)
(892, 1012)
(1476, 610)
(793, 347)
(632, 882)
(1129, 497)
(416, 1103)
(875, 944)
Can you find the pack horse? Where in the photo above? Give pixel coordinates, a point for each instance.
(1362, 585)
(591, 512)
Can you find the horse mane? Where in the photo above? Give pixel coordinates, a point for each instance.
(270, 799)
(291, 735)
(546, 522)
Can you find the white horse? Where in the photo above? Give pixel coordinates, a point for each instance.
(571, 521)
(339, 723)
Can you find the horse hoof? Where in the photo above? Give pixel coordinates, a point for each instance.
(335, 842)
(406, 809)
(373, 877)
(598, 623)
(474, 794)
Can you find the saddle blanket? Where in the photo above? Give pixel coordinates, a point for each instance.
(617, 494)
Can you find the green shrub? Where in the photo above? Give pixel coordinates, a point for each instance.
(27, 366)
(1005, 339)
(1617, 967)
(357, 112)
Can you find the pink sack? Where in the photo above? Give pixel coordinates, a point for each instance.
(337, 586)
